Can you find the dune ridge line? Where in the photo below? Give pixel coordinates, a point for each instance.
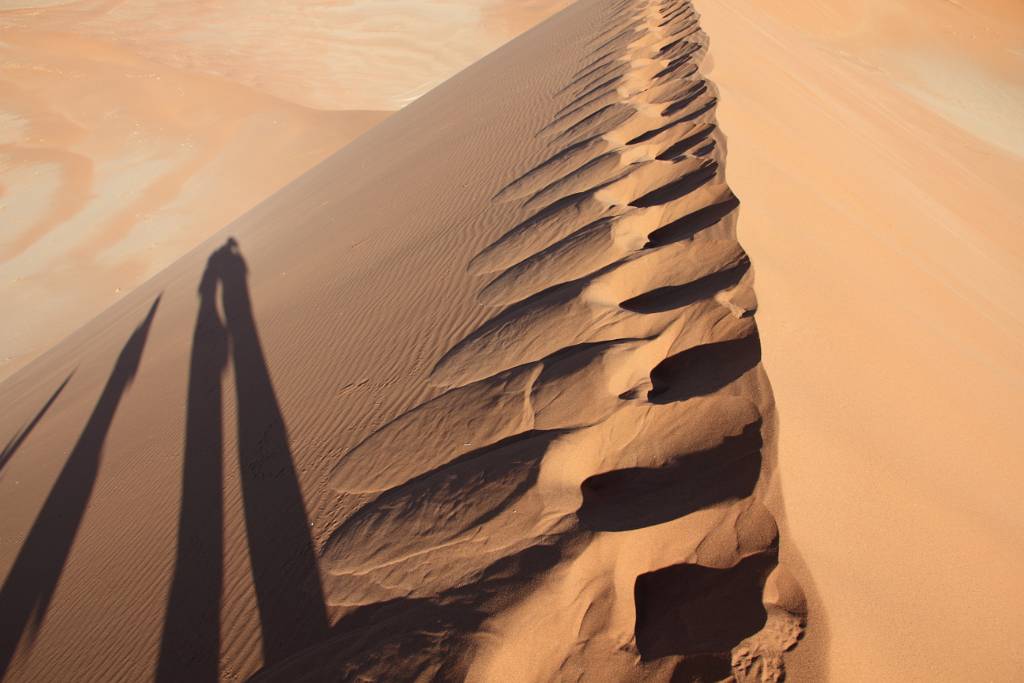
(478, 398)
(596, 466)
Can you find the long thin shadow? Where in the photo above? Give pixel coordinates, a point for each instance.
(15, 443)
(29, 587)
(284, 562)
(190, 647)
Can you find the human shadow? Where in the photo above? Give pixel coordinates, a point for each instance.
(190, 645)
(285, 571)
(284, 561)
(15, 443)
(32, 580)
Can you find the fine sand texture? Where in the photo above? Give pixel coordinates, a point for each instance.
(877, 149)
(480, 397)
(130, 131)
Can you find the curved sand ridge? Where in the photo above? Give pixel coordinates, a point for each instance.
(421, 419)
(594, 472)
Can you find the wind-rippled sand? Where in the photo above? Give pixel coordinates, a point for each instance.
(485, 395)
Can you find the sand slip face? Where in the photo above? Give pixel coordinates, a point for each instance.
(479, 397)
(875, 146)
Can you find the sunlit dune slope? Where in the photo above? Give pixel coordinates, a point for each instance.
(877, 149)
(479, 397)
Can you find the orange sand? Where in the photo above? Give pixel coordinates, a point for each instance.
(481, 396)
(876, 149)
(478, 397)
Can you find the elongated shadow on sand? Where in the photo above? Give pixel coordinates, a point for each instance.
(190, 647)
(15, 443)
(688, 609)
(638, 497)
(29, 587)
(284, 563)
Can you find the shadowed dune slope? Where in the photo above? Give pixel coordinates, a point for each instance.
(480, 397)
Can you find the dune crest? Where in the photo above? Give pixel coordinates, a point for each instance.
(498, 411)
(599, 444)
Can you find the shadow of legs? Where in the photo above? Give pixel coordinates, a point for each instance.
(12, 446)
(190, 647)
(284, 562)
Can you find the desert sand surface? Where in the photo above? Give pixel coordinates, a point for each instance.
(876, 147)
(485, 394)
(130, 131)
(477, 398)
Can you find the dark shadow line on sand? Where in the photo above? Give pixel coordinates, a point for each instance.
(284, 561)
(190, 645)
(32, 580)
(15, 443)
(285, 571)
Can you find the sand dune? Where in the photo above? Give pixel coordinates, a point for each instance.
(484, 395)
(478, 397)
(133, 130)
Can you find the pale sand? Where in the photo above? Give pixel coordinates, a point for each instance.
(331, 55)
(876, 147)
(130, 131)
(113, 166)
(479, 396)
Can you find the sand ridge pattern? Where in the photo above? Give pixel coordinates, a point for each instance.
(483, 401)
(616, 480)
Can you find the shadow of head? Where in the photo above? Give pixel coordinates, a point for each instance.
(128, 360)
(226, 263)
